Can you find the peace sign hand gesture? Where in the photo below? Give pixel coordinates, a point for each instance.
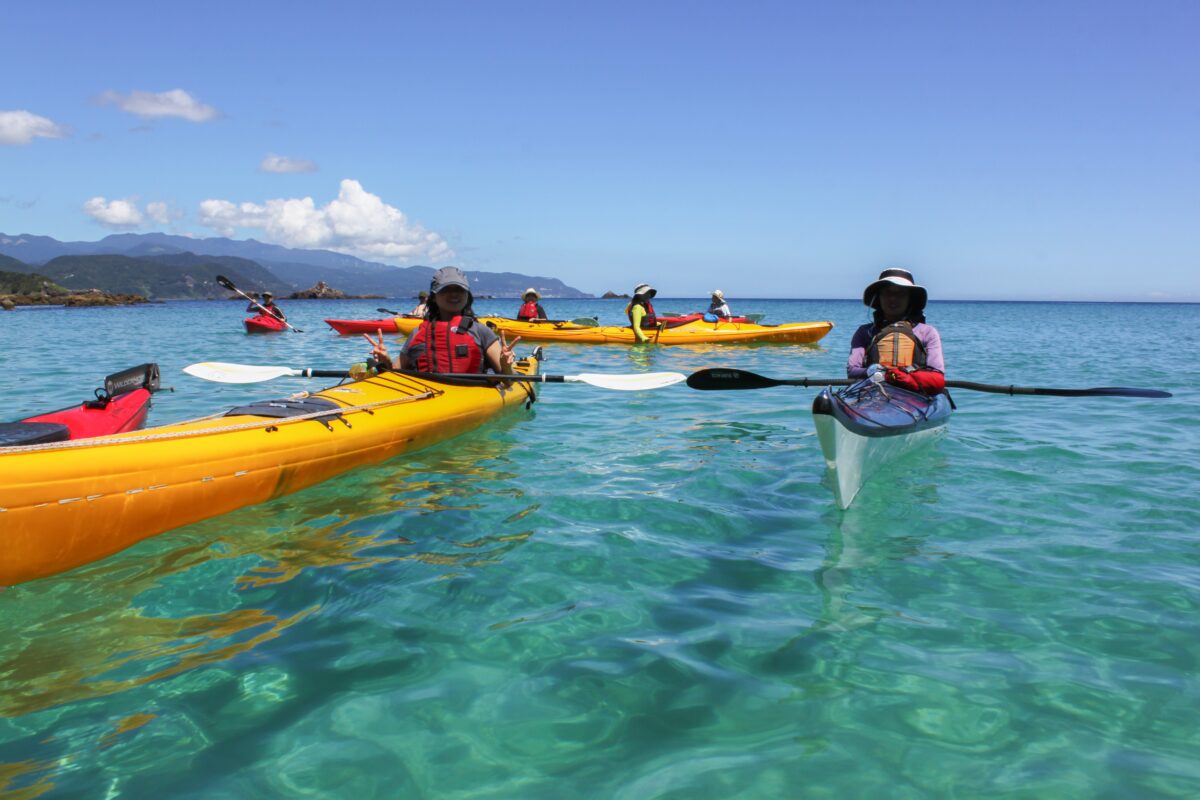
(379, 350)
(507, 356)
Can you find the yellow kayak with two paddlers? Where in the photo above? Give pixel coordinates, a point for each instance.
(695, 332)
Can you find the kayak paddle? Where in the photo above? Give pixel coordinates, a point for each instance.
(228, 284)
(720, 378)
(248, 373)
(724, 378)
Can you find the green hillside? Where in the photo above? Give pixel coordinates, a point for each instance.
(27, 283)
(10, 264)
(191, 278)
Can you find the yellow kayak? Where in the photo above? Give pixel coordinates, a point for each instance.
(70, 503)
(695, 332)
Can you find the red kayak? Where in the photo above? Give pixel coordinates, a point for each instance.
(120, 406)
(265, 323)
(683, 319)
(347, 326)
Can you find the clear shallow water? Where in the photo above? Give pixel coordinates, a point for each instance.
(640, 595)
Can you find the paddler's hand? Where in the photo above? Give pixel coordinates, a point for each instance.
(379, 351)
(507, 356)
(898, 377)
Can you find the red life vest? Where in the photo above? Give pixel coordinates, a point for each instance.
(648, 321)
(528, 311)
(448, 346)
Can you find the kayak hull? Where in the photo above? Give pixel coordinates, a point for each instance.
(695, 332)
(864, 427)
(264, 323)
(70, 503)
(348, 327)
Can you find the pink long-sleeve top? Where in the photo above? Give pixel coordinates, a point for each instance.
(856, 366)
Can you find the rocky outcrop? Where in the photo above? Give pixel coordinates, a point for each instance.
(613, 296)
(77, 299)
(323, 291)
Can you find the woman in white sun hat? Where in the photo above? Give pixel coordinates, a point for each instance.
(718, 307)
(531, 308)
(898, 341)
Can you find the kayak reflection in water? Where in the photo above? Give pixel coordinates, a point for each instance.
(898, 342)
(717, 307)
(450, 339)
(531, 309)
(640, 312)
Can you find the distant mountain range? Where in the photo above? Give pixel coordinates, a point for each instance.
(167, 267)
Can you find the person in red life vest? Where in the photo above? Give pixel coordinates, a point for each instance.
(268, 306)
(640, 311)
(531, 309)
(450, 339)
(898, 341)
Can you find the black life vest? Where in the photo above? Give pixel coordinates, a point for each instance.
(648, 321)
(896, 346)
(448, 346)
(528, 311)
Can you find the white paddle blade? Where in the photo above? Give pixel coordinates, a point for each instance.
(236, 373)
(629, 383)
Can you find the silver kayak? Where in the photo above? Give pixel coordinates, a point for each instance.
(868, 425)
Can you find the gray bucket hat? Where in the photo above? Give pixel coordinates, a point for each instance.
(448, 276)
(896, 277)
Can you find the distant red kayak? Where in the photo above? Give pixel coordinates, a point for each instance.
(122, 405)
(346, 326)
(265, 323)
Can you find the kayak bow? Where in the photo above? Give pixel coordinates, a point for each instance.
(865, 426)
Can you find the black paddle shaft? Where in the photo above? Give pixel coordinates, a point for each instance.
(1100, 391)
(724, 378)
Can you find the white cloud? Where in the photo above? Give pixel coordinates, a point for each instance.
(357, 222)
(114, 213)
(22, 127)
(162, 213)
(283, 164)
(175, 103)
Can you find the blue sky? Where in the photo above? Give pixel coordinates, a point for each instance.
(1016, 150)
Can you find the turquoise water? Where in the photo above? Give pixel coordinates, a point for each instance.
(640, 595)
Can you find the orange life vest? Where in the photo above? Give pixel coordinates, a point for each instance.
(896, 346)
